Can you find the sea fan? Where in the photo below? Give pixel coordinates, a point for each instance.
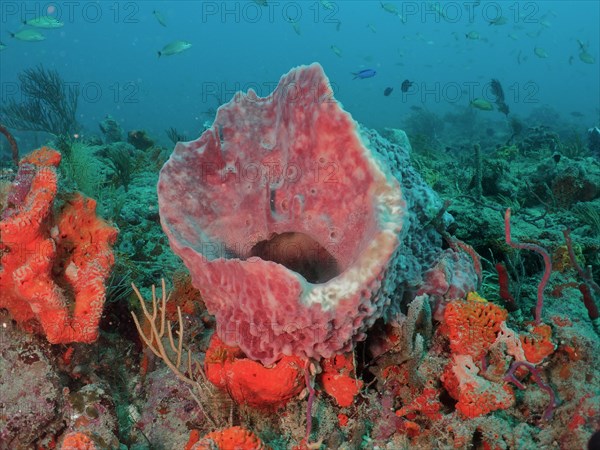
(497, 91)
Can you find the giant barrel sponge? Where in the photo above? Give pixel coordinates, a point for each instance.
(288, 222)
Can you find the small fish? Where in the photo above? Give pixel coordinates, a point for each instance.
(406, 85)
(365, 73)
(327, 5)
(473, 35)
(583, 53)
(261, 2)
(338, 25)
(160, 18)
(571, 60)
(336, 50)
(500, 20)
(28, 35)
(521, 58)
(545, 24)
(540, 52)
(174, 48)
(482, 104)
(416, 108)
(388, 91)
(438, 9)
(44, 22)
(586, 58)
(2, 46)
(513, 36)
(390, 7)
(296, 27)
(372, 28)
(576, 114)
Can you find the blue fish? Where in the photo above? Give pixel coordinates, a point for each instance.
(366, 73)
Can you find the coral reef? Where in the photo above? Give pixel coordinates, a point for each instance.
(26, 413)
(469, 339)
(111, 130)
(139, 139)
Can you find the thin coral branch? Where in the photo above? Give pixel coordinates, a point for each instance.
(547, 264)
(311, 397)
(50, 104)
(154, 341)
(585, 274)
(13, 144)
(535, 373)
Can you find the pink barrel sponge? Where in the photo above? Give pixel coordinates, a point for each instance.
(286, 221)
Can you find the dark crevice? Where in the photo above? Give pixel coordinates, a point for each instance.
(299, 253)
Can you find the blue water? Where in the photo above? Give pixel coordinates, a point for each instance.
(110, 50)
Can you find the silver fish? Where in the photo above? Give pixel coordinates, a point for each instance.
(160, 18)
(174, 48)
(28, 35)
(44, 22)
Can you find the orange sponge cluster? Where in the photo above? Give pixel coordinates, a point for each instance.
(476, 395)
(52, 265)
(249, 382)
(78, 441)
(233, 438)
(338, 379)
(537, 343)
(472, 325)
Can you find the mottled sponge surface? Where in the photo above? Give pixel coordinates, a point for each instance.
(288, 221)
